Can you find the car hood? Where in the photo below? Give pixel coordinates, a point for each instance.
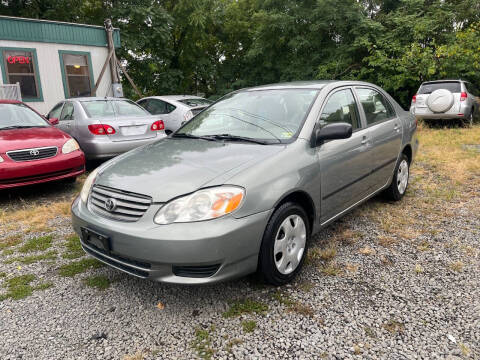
(173, 167)
(16, 139)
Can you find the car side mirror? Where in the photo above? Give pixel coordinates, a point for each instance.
(331, 132)
(53, 121)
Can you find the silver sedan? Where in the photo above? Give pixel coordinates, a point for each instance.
(106, 127)
(174, 110)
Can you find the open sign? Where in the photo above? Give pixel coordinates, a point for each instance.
(18, 59)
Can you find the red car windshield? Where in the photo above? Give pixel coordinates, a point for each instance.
(18, 116)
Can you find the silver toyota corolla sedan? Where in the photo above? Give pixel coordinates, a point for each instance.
(106, 127)
(174, 110)
(244, 185)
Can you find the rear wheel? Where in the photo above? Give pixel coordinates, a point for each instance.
(168, 132)
(284, 244)
(399, 184)
(468, 121)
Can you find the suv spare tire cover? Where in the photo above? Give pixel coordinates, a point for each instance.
(440, 101)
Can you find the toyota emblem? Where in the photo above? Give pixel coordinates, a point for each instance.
(34, 152)
(110, 204)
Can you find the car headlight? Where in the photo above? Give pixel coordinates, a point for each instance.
(70, 146)
(87, 185)
(1, 159)
(202, 205)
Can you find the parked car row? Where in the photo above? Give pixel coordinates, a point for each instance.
(35, 149)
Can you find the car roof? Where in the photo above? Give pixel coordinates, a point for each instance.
(174, 97)
(313, 84)
(95, 98)
(444, 80)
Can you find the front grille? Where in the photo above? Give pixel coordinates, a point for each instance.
(32, 154)
(118, 204)
(40, 176)
(195, 271)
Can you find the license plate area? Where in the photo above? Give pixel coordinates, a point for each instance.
(133, 130)
(96, 241)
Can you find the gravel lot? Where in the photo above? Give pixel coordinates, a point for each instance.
(389, 281)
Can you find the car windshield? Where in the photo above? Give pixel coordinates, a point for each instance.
(108, 108)
(428, 88)
(195, 102)
(268, 115)
(19, 116)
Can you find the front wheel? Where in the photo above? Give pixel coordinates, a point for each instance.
(284, 244)
(399, 184)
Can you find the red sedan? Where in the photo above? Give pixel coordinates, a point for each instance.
(33, 151)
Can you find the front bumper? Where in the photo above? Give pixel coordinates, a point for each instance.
(227, 246)
(104, 148)
(61, 166)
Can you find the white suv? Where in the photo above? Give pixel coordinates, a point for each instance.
(446, 99)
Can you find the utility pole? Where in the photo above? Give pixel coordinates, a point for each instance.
(111, 47)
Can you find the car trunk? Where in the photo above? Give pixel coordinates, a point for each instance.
(130, 128)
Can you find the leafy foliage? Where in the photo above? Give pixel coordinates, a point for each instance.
(212, 47)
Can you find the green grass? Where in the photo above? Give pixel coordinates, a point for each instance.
(78, 267)
(249, 325)
(37, 244)
(3, 274)
(7, 252)
(202, 344)
(44, 286)
(50, 255)
(100, 282)
(246, 306)
(74, 249)
(19, 287)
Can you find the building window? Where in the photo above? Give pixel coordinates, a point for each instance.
(77, 74)
(20, 66)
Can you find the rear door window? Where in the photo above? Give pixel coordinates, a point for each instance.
(375, 105)
(341, 107)
(452, 86)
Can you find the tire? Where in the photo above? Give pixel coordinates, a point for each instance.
(277, 259)
(468, 121)
(401, 175)
(168, 132)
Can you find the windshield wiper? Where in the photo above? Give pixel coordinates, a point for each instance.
(239, 138)
(190, 136)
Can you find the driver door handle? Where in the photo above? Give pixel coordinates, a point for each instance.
(364, 140)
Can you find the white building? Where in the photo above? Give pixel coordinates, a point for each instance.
(54, 60)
